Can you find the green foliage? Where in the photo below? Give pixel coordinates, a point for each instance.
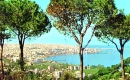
(75, 17)
(98, 66)
(78, 14)
(104, 77)
(127, 69)
(25, 76)
(115, 27)
(115, 67)
(19, 62)
(4, 31)
(91, 77)
(26, 17)
(127, 61)
(91, 71)
(117, 75)
(104, 71)
(67, 76)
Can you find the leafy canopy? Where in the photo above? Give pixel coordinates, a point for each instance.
(78, 14)
(115, 27)
(26, 17)
(4, 32)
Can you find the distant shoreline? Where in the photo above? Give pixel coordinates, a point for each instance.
(44, 50)
(35, 52)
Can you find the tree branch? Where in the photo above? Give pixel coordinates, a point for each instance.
(24, 37)
(87, 26)
(113, 43)
(74, 36)
(80, 25)
(89, 39)
(126, 41)
(120, 42)
(15, 32)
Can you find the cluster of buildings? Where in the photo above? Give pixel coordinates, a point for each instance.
(35, 53)
(57, 73)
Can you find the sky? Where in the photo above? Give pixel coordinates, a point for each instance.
(54, 37)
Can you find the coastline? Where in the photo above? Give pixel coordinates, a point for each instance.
(34, 52)
(39, 52)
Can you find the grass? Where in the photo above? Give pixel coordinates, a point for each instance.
(45, 65)
(91, 71)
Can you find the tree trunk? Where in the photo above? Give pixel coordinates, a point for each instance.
(81, 57)
(81, 65)
(122, 65)
(21, 57)
(21, 39)
(1, 60)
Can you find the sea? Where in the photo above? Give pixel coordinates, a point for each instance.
(107, 57)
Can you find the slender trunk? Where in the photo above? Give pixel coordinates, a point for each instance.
(81, 57)
(21, 45)
(21, 57)
(81, 66)
(122, 65)
(1, 60)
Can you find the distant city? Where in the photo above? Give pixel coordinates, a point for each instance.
(37, 52)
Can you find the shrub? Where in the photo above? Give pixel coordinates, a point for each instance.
(67, 76)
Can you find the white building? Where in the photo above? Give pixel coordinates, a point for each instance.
(39, 60)
(51, 68)
(70, 67)
(76, 68)
(36, 71)
(57, 74)
(15, 58)
(77, 73)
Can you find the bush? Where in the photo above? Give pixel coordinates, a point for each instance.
(67, 76)
(117, 75)
(104, 77)
(92, 77)
(104, 71)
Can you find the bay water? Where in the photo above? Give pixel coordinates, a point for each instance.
(107, 57)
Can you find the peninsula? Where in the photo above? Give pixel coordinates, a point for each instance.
(41, 51)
